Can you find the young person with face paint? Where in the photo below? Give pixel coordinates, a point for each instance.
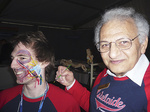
(32, 60)
(121, 37)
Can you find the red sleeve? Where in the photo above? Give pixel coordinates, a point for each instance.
(147, 87)
(81, 94)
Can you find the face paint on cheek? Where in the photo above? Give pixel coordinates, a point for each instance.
(24, 67)
(24, 70)
(27, 71)
(36, 71)
(32, 68)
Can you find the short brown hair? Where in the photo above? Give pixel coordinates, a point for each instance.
(38, 42)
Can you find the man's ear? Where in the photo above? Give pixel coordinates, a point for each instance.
(144, 46)
(44, 64)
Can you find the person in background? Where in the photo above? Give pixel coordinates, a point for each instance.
(121, 37)
(32, 60)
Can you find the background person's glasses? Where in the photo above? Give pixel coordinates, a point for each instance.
(122, 44)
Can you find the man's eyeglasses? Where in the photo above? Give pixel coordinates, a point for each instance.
(122, 44)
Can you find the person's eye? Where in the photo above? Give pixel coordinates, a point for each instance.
(22, 58)
(104, 45)
(125, 42)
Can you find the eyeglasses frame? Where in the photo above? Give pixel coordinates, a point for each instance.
(116, 45)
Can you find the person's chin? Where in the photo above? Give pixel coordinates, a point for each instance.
(118, 72)
(116, 69)
(20, 81)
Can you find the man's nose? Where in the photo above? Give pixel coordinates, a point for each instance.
(14, 63)
(114, 51)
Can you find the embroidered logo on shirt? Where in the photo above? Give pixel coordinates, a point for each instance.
(103, 101)
(103, 86)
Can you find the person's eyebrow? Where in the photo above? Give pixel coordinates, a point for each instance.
(22, 54)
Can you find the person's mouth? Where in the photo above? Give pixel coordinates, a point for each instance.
(19, 73)
(116, 61)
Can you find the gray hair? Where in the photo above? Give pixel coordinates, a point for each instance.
(123, 14)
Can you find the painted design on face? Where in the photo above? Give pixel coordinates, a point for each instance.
(37, 70)
(34, 71)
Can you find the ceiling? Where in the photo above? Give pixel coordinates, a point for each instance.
(61, 14)
(65, 14)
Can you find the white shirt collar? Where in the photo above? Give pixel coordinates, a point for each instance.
(137, 73)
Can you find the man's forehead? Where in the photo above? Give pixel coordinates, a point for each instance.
(117, 27)
(20, 49)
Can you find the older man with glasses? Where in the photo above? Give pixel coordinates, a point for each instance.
(121, 37)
